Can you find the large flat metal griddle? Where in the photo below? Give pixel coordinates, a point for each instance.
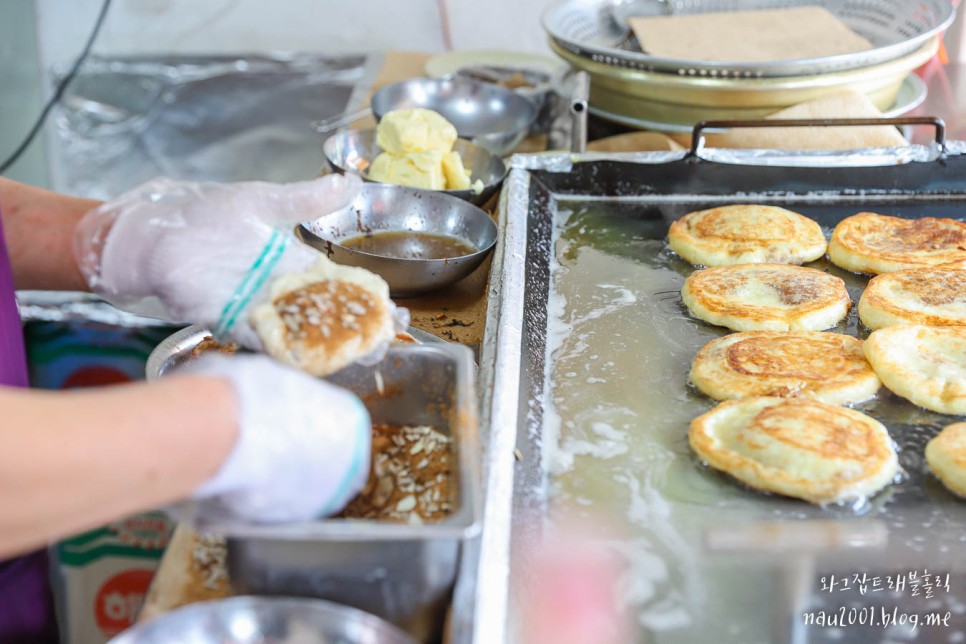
(739, 566)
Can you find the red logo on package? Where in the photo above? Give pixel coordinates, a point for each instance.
(148, 531)
(118, 601)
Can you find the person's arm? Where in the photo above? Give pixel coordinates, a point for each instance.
(39, 228)
(246, 438)
(73, 461)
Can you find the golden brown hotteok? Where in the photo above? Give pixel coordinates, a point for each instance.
(746, 233)
(830, 367)
(797, 447)
(872, 243)
(326, 318)
(926, 365)
(946, 456)
(766, 297)
(930, 295)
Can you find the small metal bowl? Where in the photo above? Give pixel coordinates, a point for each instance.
(353, 151)
(539, 88)
(493, 117)
(281, 620)
(385, 207)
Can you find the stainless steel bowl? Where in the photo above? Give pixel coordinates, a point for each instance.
(384, 207)
(493, 117)
(280, 620)
(353, 151)
(538, 90)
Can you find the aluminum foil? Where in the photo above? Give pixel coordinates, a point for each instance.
(68, 306)
(126, 120)
(867, 157)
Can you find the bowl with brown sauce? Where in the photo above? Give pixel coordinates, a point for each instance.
(417, 240)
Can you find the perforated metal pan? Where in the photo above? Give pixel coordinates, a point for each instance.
(597, 30)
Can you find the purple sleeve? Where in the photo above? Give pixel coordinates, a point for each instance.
(26, 605)
(27, 616)
(13, 364)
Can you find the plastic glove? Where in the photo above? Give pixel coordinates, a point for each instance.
(302, 449)
(202, 252)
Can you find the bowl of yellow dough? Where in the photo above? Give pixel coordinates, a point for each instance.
(417, 148)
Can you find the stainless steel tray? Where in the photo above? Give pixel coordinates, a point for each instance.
(598, 297)
(404, 573)
(598, 30)
(175, 350)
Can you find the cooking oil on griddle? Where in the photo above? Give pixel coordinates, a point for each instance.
(617, 409)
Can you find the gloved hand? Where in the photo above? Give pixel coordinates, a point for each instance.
(202, 252)
(302, 449)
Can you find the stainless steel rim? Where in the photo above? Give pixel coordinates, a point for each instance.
(587, 28)
(184, 340)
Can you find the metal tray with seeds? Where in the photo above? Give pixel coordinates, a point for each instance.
(402, 571)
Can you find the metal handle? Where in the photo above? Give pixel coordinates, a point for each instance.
(327, 125)
(697, 135)
(579, 98)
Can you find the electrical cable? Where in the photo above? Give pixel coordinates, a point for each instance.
(445, 27)
(58, 92)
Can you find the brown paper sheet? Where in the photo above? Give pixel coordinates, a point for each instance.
(748, 36)
(847, 104)
(635, 142)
